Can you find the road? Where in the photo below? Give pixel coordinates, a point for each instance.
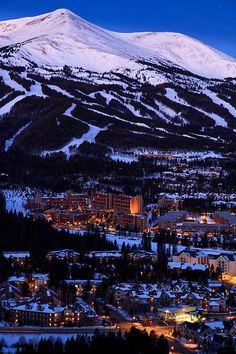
(178, 348)
(55, 330)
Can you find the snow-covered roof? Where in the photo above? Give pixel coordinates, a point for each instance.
(16, 254)
(35, 307)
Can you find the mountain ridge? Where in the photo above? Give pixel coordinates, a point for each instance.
(77, 83)
(100, 50)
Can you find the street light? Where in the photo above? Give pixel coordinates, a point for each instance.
(172, 349)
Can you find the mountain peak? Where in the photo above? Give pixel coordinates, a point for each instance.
(63, 12)
(62, 37)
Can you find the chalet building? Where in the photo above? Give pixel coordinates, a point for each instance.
(35, 314)
(169, 300)
(196, 332)
(9, 291)
(216, 304)
(61, 255)
(47, 296)
(171, 219)
(69, 201)
(87, 315)
(193, 299)
(182, 223)
(224, 261)
(104, 256)
(36, 280)
(81, 284)
(224, 217)
(20, 258)
(140, 255)
(48, 315)
(169, 203)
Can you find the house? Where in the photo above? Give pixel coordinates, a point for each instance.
(37, 280)
(36, 314)
(66, 254)
(216, 304)
(198, 331)
(193, 299)
(141, 255)
(20, 258)
(104, 256)
(225, 261)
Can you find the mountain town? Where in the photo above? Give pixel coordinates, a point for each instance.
(117, 184)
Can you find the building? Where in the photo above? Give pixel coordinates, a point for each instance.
(224, 217)
(171, 219)
(69, 201)
(225, 261)
(36, 280)
(102, 201)
(66, 254)
(36, 314)
(119, 203)
(104, 256)
(185, 224)
(20, 258)
(166, 202)
(133, 222)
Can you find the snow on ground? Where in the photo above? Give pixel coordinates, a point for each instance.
(107, 96)
(220, 102)
(166, 111)
(90, 136)
(8, 106)
(11, 339)
(61, 37)
(36, 89)
(16, 199)
(9, 82)
(59, 90)
(135, 240)
(218, 120)
(128, 240)
(173, 96)
(177, 153)
(119, 156)
(10, 142)
(186, 52)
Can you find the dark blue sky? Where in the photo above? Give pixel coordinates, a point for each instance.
(212, 21)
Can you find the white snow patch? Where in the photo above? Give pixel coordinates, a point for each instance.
(10, 142)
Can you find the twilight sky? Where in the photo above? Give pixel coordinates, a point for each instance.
(211, 21)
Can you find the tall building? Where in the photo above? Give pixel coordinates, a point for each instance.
(136, 205)
(120, 203)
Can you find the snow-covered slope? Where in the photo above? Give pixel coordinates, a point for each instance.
(61, 37)
(121, 90)
(186, 52)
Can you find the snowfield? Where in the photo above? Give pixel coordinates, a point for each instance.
(16, 199)
(63, 37)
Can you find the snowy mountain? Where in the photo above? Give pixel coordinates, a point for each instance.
(186, 52)
(61, 37)
(64, 81)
